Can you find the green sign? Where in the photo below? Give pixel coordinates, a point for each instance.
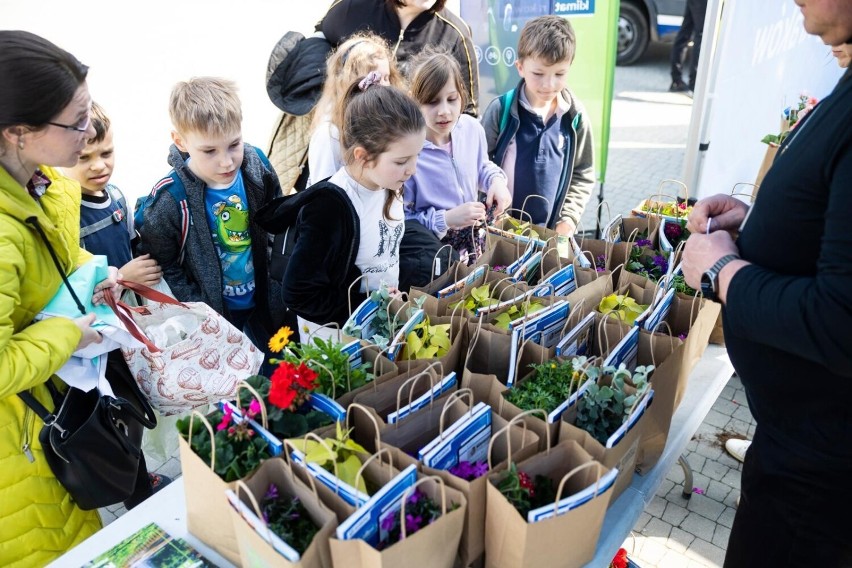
(495, 34)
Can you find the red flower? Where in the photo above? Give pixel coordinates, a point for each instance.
(281, 391)
(526, 483)
(305, 377)
(620, 560)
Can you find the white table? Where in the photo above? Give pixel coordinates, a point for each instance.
(707, 380)
(168, 507)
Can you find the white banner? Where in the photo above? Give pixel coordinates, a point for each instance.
(764, 60)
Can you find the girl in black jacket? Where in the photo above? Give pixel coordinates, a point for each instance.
(351, 225)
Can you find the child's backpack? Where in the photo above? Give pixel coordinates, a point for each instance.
(173, 185)
(120, 215)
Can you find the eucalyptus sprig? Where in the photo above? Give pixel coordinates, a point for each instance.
(603, 408)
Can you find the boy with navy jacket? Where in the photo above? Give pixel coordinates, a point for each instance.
(538, 133)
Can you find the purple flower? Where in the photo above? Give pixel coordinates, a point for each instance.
(414, 497)
(682, 336)
(412, 523)
(461, 470)
(479, 469)
(271, 493)
(642, 243)
(661, 262)
(388, 522)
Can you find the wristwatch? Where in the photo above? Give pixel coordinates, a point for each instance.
(709, 280)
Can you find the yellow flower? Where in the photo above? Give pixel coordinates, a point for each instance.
(280, 340)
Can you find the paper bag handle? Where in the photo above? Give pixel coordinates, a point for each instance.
(366, 411)
(451, 400)
(209, 429)
(245, 385)
(435, 261)
(513, 422)
(410, 491)
(414, 380)
(571, 474)
(360, 475)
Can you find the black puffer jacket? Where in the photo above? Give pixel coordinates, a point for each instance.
(322, 265)
(441, 28)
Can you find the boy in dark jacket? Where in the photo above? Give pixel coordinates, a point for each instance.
(221, 256)
(537, 133)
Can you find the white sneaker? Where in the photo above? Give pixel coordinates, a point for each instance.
(737, 447)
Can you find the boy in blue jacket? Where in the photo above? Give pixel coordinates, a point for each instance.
(537, 132)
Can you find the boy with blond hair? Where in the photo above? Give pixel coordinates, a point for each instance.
(537, 132)
(198, 221)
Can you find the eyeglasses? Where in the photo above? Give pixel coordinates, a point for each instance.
(80, 127)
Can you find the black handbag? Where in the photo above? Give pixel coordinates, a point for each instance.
(93, 441)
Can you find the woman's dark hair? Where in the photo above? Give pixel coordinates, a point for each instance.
(376, 117)
(37, 79)
(394, 4)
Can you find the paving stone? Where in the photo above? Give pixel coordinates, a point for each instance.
(717, 491)
(709, 450)
(707, 552)
(665, 487)
(675, 474)
(715, 470)
(652, 552)
(743, 413)
(705, 507)
(106, 516)
(731, 499)
(690, 447)
(727, 393)
(679, 540)
(717, 418)
(726, 459)
(699, 525)
(725, 406)
(738, 426)
(726, 519)
(171, 468)
(674, 514)
(732, 478)
(641, 521)
(721, 536)
(658, 529)
(676, 496)
(656, 507)
(672, 559)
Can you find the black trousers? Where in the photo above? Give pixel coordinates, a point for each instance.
(692, 26)
(792, 512)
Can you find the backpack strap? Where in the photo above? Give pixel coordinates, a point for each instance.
(178, 192)
(506, 106)
(118, 216)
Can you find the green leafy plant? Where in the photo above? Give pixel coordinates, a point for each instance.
(479, 297)
(621, 307)
(680, 285)
(667, 209)
(524, 492)
(288, 518)
(327, 359)
(516, 311)
(426, 341)
(338, 455)
(551, 385)
(521, 228)
(603, 408)
(792, 115)
(239, 450)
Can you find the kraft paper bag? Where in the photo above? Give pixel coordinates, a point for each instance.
(768, 158)
(398, 392)
(510, 439)
(255, 548)
(674, 361)
(622, 455)
(207, 508)
(566, 541)
(717, 336)
(433, 546)
(428, 294)
(381, 367)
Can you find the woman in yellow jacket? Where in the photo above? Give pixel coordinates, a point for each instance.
(44, 119)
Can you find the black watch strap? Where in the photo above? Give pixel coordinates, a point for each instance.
(709, 280)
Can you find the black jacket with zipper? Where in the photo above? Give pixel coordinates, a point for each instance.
(441, 28)
(322, 266)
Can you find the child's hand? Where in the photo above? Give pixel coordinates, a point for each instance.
(465, 215)
(142, 270)
(565, 227)
(108, 285)
(499, 193)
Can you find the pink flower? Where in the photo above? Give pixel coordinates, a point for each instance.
(226, 419)
(254, 409)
